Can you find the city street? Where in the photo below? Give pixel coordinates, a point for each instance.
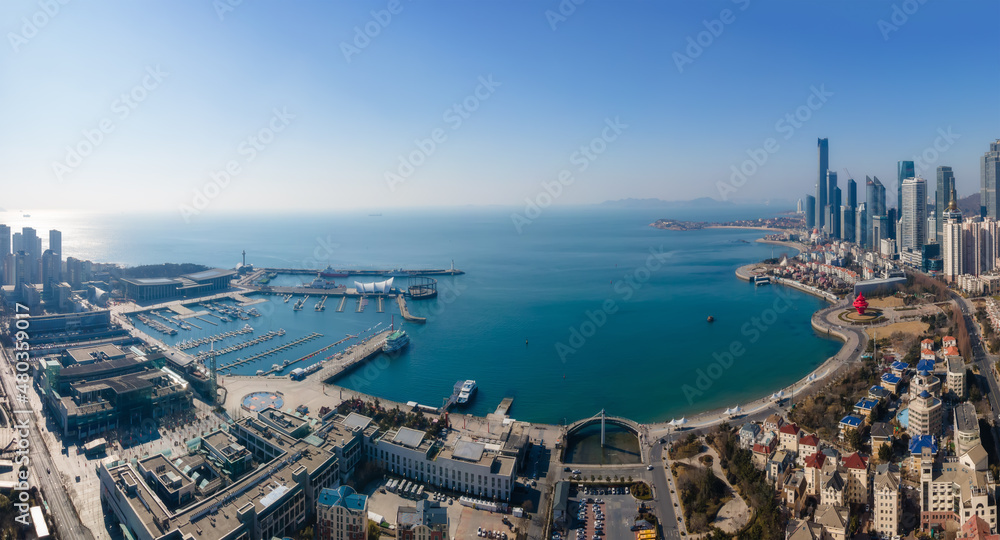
(51, 485)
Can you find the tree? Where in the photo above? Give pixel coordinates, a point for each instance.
(854, 439)
(885, 453)
(374, 531)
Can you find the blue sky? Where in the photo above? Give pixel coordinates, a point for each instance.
(336, 128)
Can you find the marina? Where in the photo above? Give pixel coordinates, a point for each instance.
(190, 344)
(272, 351)
(242, 345)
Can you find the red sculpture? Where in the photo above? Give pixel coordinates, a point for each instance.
(861, 304)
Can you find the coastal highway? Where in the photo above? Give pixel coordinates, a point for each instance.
(985, 361)
(61, 508)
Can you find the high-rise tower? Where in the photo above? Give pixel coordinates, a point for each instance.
(989, 179)
(823, 148)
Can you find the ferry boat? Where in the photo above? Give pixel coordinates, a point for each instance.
(761, 280)
(468, 389)
(396, 341)
(330, 272)
(320, 283)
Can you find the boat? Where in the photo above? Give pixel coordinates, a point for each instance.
(320, 283)
(396, 341)
(330, 272)
(398, 272)
(465, 394)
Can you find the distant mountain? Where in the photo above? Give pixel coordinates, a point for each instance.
(969, 205)
(660, 203)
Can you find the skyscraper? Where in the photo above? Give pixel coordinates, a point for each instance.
(835, 213)
(4, 241)
(989, 179)
(904, 170)
(945, 185)
(847, 223)
(881, 210)
(55, 245)
(30, 241)
(852, 193)
(914, 216)
(50, 274)
(861, 230)
(951, 239)
(798, 207)
(823, 147)
(832, 208)
(55, 241)
(810, 212)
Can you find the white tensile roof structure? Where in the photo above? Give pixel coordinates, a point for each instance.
(375, 287)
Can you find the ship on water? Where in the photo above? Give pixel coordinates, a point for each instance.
(465, 394)
(396, 341)
(329, 272)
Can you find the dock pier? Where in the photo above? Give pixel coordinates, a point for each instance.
(406, 313)
(340, 308)
(321, 305)
(218, 337)
(271, 351)
(451, 400)
(504, 406)
(356, 355)
(381, 308)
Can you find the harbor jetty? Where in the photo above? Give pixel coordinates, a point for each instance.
(406, 312)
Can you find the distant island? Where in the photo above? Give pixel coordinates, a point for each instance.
(794, 221)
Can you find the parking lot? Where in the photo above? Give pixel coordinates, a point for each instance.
(601, 514)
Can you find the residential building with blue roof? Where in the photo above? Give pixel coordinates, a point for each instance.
(865, 406)
(918, 443)
(341, 514)
(925, 365)
(890, 382)
(849, 422)
(899, 368)
(878, 392)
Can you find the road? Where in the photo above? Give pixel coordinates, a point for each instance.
(61, 508)
(982, 358)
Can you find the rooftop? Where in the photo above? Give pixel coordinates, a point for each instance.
(344, 497)
(966, 418)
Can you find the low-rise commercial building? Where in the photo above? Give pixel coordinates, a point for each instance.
(193, 497)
